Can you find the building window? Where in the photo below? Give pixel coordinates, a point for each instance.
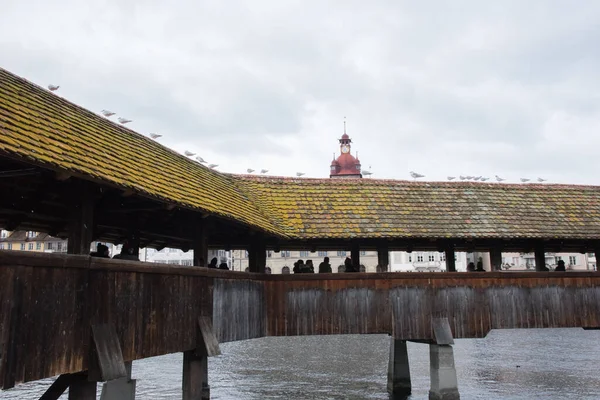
(303, 253)
(442, 256)
(9, 246)
(341, 253)
(30, 246)
(322, 254)
(1, 246)
(419, 257)
(245, 253)
(3, 234)
(557, 259)
(269, 253)
(22, 246)
(186, 262)
(221, 254)
(285, 270)
(30, 234)
(285, 253)
(49, 246)
(410, 258)
(591, 255)
(38, 246)
(363, 253)
(59, 246)
(431, 257)
(572, 260)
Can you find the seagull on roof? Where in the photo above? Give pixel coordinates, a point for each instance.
(499, 179)
(200, 159)
(451, 178)
(477, 178)
(249, 170)
(189, 153)
(416, 175)
(469, 177)
(213, 165)
(52, 88)
(299, 174)
(462, 177)
(124, 120)
(483, 179)
(541, 180)
(525, 180)
(367, 173)
(107, 113)
(155, 135)
(264, 171)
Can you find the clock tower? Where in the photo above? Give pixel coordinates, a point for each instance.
(345, 166)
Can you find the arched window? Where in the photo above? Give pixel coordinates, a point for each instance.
(285, 270)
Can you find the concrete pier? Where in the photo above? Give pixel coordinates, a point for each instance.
(444, 385)
(399, 386)
(120, 389)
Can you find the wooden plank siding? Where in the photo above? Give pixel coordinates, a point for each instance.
(403, 304)
(154, 307)
(49, 303)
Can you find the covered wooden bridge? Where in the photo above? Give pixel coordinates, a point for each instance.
(71, 173)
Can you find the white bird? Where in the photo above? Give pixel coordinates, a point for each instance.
(155, 135)
(250, 170)
(469, 177)
(416, 175)
(451, 178)
(107, 113)
(462, 178)
(189, 153)
(264, 171)
(52, 88)
(200, 159)
(483, 179)
(541, 180)
(213, 165)
(299, 174)
(367, 173)
(499, 179)
(124, 120)
(525, 180)
(477, 178)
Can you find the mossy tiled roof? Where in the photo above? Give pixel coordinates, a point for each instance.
(41, 127)
(370, 208)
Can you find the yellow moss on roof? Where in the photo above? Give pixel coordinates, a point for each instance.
(369, 208)
(41, 127)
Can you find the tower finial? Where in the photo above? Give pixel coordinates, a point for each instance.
(344, 125)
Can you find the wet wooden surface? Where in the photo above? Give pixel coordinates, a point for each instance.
(49, 302)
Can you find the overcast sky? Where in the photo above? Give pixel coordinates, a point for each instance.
(439, 87)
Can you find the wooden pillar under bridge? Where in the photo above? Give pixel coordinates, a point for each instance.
(257, 256)
(81, 223)
(355, 256)
(200, 246)
(597, 254)
(399, 385)
(383, 258)
(496, 259)
(540, 258)
(450, 259)
(195, 362)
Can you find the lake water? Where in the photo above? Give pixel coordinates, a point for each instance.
(508, 364)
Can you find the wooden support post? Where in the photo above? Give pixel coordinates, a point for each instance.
(82, 389)
(61, 384)
(355, 256)
(383, 258)
(81, 223)
(597, 254)
(257, 256)
(450, 259)
(444, 383)
(200, 247)
(540, 258)
(195, 362)
(496, 259)
(399, 385)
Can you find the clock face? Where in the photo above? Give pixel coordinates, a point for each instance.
(345, 148)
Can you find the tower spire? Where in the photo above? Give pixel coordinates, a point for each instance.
(344, 125)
